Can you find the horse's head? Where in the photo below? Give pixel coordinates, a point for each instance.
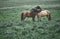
(38, 9)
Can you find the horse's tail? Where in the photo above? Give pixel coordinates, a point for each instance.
(21, 16)
(49, 17)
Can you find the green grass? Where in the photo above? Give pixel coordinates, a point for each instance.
(11, 26)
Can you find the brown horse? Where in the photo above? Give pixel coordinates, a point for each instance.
(44, 13)
(27, 14)
(32, 13)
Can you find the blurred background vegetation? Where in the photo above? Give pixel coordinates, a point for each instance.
(11, 26)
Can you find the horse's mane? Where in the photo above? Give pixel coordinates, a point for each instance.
(36, 9)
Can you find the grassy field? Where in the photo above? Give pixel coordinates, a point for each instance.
(11, 26)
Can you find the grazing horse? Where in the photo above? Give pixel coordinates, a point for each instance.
(44, 13)
(27, 14)
(32, 13)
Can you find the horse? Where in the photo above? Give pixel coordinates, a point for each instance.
(44, 13)
(32, 13)
(27, 14)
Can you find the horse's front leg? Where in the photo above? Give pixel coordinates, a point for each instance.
(33, 18)
(38, 17)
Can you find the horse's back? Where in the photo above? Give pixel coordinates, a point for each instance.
(47, 11)
(26, 11)
(43, 13)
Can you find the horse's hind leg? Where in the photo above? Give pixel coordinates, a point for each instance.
(49, 17)
(24, 18)
(21, 16)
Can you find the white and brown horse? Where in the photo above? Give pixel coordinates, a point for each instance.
(44, 13)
